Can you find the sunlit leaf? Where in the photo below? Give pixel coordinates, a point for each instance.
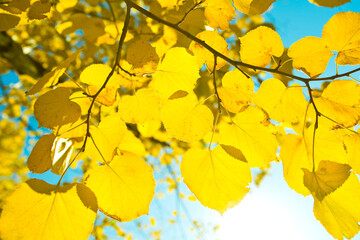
(142, 107)
(105, 138)
(342, 34)
(236, 91)
(214, 40)
(339, 212)
(326, 179)
(218, 180)
(340, 102)
(259, 44)
(178, 70)
(310, 55)
(55, 109)
(219, 13)
(124, 188)
(38, 210)
(253, 135)
(95, 75)
(185, 119)
(283, 104)
(40, 159)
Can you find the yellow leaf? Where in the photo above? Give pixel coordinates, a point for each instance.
(310, 55)
(55, 109)
(352, 143)
(283, 104)
(252, 7)
(124, 188)
(342, 34)
(218, 180)
(178, 70)
(329, 3)
(168, 40)
(52, 78)
(185, 119)
(259, 44)
(296, 154)
(149, 128)
(132, 144)
(219, 13)
(142, 107)
(340, 101)
(105, 138)
(328, 177)
(72, 130)
(236, 91)
(339, 212)
(60, 154)
(214, 40)
(95, 76)
(170, 3)
(38, 9)
(38, 210)
(294, 158)
(8, 20)
(141, 53)
(40, 159)
(253, 135)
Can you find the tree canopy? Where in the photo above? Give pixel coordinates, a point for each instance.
(119, 90)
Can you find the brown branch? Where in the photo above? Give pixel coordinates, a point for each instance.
(227, 59)
(316, 124)
(215, 85)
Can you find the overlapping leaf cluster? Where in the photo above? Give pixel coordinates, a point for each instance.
(178, 85)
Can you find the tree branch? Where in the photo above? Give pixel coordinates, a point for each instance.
(227, 59)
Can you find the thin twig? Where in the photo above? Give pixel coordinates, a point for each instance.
(189, 11)
(215, 85)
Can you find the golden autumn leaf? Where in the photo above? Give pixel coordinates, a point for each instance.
(40, 160)
(259, 44)
(219, 13)
(352, 143)
(60, 154)
(236, 91)
(296, 154)
(340, 102)
(253, 135)
(339, 212)
(310, 55)
(214, 40)
(218, 180)
(329, 3)
(52, 78)
(283, 104)
(105, 138)
(55, 109)
(95, 75)
(185, 119)
(142, 107)
(252, 7)
(342, 34)
(326, 179)
(8, 20)
(170, 3)
(38, 210)
(132, 144)
(124, 188)
(141, 53)
(178, 70)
